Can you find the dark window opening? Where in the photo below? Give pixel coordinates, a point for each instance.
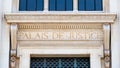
(60, 62)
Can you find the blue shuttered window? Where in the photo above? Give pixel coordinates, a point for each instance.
(69, 5)
(60, 5)
(99, 5)
(22, 5)
(90, 5)
(81, 5)
(40, 5)
(52, 5)
(31, 5)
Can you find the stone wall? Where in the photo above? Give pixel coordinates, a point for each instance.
(0, 29)
(115, 34)
(6, 7)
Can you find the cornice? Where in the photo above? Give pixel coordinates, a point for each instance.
(60, 18)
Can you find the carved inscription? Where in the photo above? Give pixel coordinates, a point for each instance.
(55, 34)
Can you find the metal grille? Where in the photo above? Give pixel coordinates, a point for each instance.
(57, 62)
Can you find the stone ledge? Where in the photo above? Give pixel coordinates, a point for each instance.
(60, 18)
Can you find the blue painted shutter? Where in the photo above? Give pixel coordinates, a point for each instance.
(31, 5)
(81, 5)
(69, 5)
(99, 5)
(40, 5)
(22, 5)
(52, 5)
(90, 5)
(60, 5)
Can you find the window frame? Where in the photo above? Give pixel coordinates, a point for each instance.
(27, 53)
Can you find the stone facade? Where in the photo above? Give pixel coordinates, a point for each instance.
(94, 34)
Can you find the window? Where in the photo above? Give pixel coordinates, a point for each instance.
(60, 5)
(31, 5)
(57, 62)
(89, 5)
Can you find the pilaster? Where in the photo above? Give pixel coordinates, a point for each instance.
(13, 53)
(107, 56)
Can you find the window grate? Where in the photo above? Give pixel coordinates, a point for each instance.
(56, 62)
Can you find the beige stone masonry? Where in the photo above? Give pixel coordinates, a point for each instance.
(45, 34)
(60, 18)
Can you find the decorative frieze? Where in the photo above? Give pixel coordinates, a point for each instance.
(57, 34)
(60, 32)
(60, 26)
